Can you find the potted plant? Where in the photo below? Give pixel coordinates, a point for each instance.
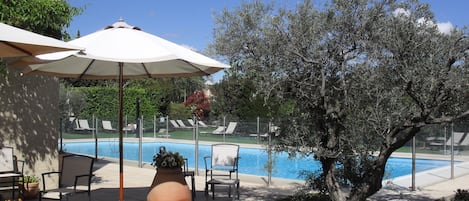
(30, 186)
(165, 159)
(169, 177)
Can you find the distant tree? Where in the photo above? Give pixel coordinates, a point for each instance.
(362, 78)
(47, 17)
(168, 90)
(237, 97)
(179, 111)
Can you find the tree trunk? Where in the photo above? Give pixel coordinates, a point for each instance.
(333, 186)
(370, 184)
(373, 182)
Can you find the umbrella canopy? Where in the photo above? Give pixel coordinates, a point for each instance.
(16, 42)
(121, 51)
(144, 55)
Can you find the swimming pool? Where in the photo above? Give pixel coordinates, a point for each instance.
(252, 160)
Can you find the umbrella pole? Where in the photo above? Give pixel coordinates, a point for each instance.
(121, 126)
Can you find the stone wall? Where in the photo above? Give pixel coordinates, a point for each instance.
(29, 119)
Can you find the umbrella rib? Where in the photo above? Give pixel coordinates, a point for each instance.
(146, 70)
(17, 48)
(86, 69)
(206, 74)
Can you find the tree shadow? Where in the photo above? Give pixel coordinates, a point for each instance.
(29, 118)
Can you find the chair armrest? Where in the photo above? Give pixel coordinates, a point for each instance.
(81, 176)
(48, 173)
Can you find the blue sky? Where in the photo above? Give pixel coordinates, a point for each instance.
(190, 22)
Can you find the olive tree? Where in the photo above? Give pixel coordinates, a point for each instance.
(364, 76)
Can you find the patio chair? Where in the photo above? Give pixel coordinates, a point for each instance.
(191, 174)
(221, 168)
(107, 126)
(10, 171)
(74, 177)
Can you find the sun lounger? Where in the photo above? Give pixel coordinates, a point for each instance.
(82, 125)
(130, 127)
(174, 124)
(202, 124)
(181, 124)
(163, 133)
(221, 129)
(464, 143)
(261, 136)
(107, 126)
(191, 122)
(217, 131)
(458, 136)
(229, 130)
(273, 130)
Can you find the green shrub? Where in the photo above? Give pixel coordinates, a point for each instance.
(30, 179)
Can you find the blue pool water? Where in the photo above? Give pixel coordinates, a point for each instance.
(252, 160)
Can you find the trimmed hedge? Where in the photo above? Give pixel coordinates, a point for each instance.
(103, 102)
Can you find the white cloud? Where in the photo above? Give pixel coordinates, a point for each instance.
(423, 21)
(401, 12)
(445, 27)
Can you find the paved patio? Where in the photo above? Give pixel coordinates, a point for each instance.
(431, 185)
(105, 186)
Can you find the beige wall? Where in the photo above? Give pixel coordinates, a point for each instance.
(29, 119)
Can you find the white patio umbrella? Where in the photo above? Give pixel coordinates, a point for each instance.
(16, 42)
(121, 51)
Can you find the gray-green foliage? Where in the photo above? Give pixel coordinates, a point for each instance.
(364, 79)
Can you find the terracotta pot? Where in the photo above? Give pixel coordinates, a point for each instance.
(169, 185)
(30, 190)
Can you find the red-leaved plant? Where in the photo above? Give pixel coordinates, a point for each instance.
(199, 104)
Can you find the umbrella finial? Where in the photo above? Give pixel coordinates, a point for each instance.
(122, 24)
